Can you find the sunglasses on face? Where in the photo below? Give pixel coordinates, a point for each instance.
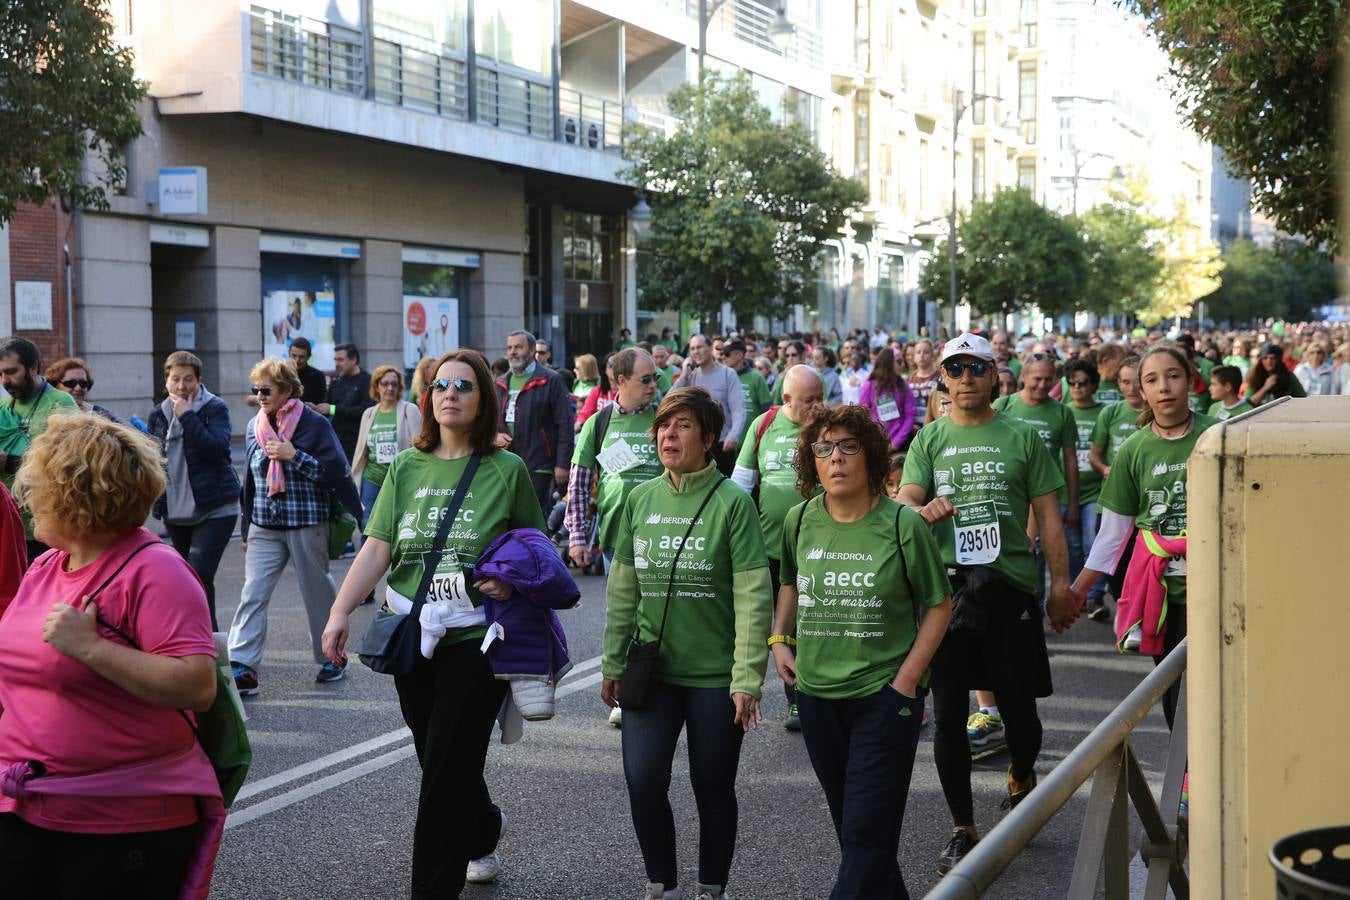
(73, 383)
(260, 391)
(825, 449)
(461, 385)
(1041, 357)
(647, 379)
(956, 369)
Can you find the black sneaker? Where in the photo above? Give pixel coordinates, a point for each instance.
(1016, 793)
(245, 679)
(330, 672)
(957, 848)
(1099, 613)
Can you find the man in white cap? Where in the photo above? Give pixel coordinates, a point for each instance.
(976, 476)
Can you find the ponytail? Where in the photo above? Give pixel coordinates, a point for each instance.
(1179, 356)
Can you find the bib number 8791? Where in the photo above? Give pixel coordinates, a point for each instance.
(449, 588)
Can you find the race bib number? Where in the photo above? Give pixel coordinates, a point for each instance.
(385, 451)
(511, 408)
(1176, 566)
(1084, 462)
(886, 408)
(977, 534)
(618, 457)
(447, 585)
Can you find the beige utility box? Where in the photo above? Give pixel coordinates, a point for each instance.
(1269, 651)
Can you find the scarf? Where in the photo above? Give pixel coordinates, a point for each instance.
(288, 417)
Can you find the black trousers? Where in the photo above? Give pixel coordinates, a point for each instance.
(39, 864)
(1176, 630)
(450, 702)
(202, 545)
(863, 753)
(543, 490)
(775, 570)
(1010, 659)
(649, 738)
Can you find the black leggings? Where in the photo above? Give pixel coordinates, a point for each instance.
(39, 864)
(1176, 630)
(202, 545)
(775, 569)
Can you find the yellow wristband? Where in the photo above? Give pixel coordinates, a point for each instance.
(782, 639)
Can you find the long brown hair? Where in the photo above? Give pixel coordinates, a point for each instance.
(1179, 356)
(1257, 374)
(483, 435)
(883, 373)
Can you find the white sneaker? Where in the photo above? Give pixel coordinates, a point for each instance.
(655, 889)
(712, 892)
(483, 870)
(616, 717)
(1134, 639)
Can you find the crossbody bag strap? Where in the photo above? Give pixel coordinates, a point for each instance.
(670, 584)
(433, 559)
(900, 552)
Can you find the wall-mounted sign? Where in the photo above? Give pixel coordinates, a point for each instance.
(185, 334)
(304, 245)
(182, 235)
(585, 294)
(437, 256)
(32, 306)
(182, 192)
(430, 328)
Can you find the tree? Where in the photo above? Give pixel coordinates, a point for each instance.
(740, 204)
(1251, 286)
(66, 89)
(1259, 80)
(1309, 278)
(1012, 254)
(1123, 252)
(1190, 269)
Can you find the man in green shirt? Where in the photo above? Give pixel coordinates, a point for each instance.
(1083, 382)
(976, 476)
(31, 402)
(791, 353)
(754, 389)
(1109, 357)
(665, 373)
(767, 458)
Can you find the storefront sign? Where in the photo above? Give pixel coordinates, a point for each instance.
(182, 235)
(304, 245)
(438, 256)
(32, 306)
(430, 328)
(182, 192)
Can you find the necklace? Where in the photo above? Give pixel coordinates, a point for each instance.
(1164, 431)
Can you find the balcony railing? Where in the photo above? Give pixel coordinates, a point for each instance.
(590, 121)
(306, 50)
(514, 102)
(413, 72)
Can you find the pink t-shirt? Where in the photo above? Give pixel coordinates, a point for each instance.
(61, 713)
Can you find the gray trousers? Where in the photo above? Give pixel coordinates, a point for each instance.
(267, 554)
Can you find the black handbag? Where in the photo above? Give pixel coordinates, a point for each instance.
(392, 642)
(644, 655)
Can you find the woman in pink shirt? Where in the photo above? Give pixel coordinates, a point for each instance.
(80, 700)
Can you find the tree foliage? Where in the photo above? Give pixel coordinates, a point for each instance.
(1012, 254)
(1124, 253)
(1287, 282)
(66, 90)
(1258, 79)
(740, 204)
(1190, 270)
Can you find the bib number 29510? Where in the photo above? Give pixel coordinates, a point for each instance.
(977, 534)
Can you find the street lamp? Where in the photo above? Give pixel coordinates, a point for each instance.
(640, 216)
(958, 110)
(781, 29)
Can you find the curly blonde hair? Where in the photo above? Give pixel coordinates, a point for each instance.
(90, 475)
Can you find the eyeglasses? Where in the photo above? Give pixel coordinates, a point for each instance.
(260, 391)
(1041, 357)
(825, 449)
(461, 385)
(647, 379)
(74, 383)
(955, 369)
(1082, 382)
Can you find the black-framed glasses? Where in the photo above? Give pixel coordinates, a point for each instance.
(260, 391)
(73, 383)
(955, 369)
(1080, 383)
(647, 379)
(825, 449)
(1042, 357)
(461, 385)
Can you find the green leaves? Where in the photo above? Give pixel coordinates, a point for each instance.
(66, 89)
(1290, 281)
(740, 204)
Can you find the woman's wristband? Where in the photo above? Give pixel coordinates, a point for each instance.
(782, 639)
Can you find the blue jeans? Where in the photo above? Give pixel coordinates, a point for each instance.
(369, 491)
(1079, 540)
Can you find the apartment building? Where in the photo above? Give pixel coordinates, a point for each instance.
(406, 176)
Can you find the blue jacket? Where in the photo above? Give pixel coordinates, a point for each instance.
(533, 641)
(315, 436)
(206, 444)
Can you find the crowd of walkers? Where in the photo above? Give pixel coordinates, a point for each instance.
(884, 516)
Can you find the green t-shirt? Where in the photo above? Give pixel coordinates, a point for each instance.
(1108, 392)
(700, 639)
(1221, 412)
(417, 489)
(582, 389)
(859, 586)
(755, 390)
(665, 380)
(1114, 425)
(1148, 482)
(1085, 421)
(990, 473)
(1052, 421)
(634, 431)
(774, 462)
(514, 384)
(1015, 364)
(34, 415)
(776, 393)
(381, 444)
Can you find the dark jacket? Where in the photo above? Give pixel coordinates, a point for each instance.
(350, 397)
(315, 385)
(544, 436)
(533, 642)
(206, 444)
(314, 435)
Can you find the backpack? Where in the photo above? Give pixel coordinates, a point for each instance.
(769, 415)
(601, 428)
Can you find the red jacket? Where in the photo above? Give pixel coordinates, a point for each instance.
(13, 549)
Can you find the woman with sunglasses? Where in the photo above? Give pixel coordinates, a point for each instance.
(71, 374)
(450, 699)
(867, 625)
(294, 470)
(387, 429)
(201, 499)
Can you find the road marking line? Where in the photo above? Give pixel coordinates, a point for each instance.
(570, 685)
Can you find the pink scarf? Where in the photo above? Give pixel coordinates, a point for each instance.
(288, 418)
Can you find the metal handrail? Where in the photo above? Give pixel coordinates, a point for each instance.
(1106, 753)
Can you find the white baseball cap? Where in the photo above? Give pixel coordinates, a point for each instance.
(968, 345)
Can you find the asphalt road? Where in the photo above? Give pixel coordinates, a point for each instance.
(328, 809)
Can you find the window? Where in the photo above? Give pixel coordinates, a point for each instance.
(516, 33)
(1026, 175)
(1026, 20)
(980, 8)
(977, 45)
(977, 169)
(862, 33)
(923, 176)
(862, 136)
(441, 24)
(587, 247)
(1026, 99)
(886, 178)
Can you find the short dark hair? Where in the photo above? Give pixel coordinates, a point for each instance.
(1229, 375)
(350, 350)
(24, 349)
(483, 435)
(1087, 368)
(857, 421)
(304, 344)
(699, 404)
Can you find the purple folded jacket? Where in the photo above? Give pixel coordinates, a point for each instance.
(533, 643)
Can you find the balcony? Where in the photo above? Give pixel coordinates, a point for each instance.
(933, 101)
